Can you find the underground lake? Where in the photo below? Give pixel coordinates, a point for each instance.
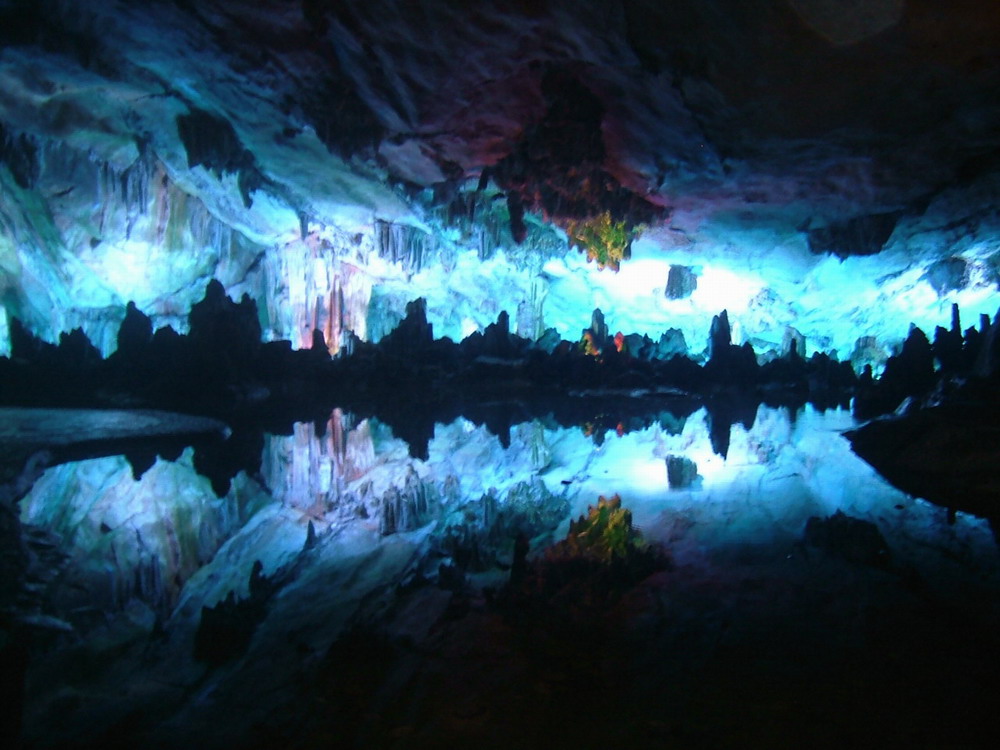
(348, 594)
(514, 374)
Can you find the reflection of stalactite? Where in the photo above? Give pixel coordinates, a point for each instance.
(312, 472)
(409, 507)
(126, 541)
(338, 443)
(485, 532)
(533, 435)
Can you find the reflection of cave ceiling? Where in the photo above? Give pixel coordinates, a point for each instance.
(834, 120)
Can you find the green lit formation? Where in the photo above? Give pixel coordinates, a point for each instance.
(604, 240)
(605, 534)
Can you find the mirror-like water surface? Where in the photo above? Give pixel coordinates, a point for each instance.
(342, 533)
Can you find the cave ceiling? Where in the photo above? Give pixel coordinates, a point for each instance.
(823, 111)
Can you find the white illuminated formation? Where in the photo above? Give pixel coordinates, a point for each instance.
(160, 245)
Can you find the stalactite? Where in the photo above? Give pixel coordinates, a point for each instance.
(20, 153)
(409, 247)
(530, 317)
(127, 189)
(314, 472)
(336, 324)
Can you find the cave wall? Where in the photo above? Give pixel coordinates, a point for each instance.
(84, 236)
(306, 157)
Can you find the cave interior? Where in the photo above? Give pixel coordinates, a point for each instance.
(533, 373)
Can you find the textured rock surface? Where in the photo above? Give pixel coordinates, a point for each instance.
(322, 157)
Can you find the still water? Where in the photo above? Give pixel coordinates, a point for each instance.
(348, 531)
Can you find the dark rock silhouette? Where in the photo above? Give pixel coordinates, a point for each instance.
(224, 332)
(728, 364)
(862, 235)
(682, 472)
(410, 381)
(949, 345)
(24, 345)
(851, 539)
(720, 336)
(909, 374)
(75, 351)
(946, 453)
(135, 334)
(413, 334)
(225, 630)
(681, 282)
(947, 275)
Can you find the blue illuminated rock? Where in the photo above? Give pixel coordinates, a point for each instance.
(948, 275)
(349, 179)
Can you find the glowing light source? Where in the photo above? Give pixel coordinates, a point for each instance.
(469, 327)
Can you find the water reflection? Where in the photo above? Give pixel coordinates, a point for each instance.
(144, 539)
(341, 518)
